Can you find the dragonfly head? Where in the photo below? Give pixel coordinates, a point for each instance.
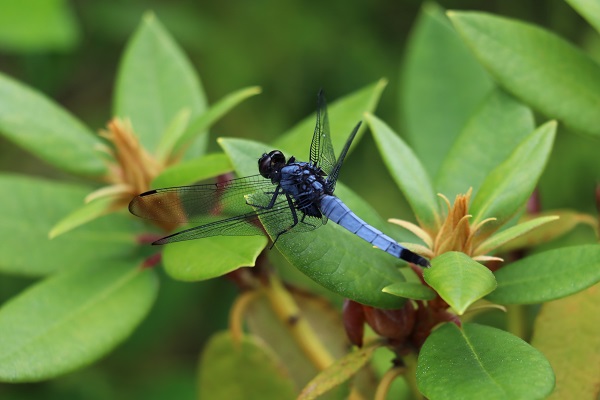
(270, 164)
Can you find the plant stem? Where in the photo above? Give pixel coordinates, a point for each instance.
(386, 381)
(238, 310)
(289, 313)
(410, 360)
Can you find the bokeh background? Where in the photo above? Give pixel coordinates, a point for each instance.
(70, 50)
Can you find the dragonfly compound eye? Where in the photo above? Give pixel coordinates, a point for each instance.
(269, 163)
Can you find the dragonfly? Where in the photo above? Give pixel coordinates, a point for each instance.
(287, 195)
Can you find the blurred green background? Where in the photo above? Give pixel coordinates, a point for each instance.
(70, 50)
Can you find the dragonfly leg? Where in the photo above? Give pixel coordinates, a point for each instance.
(306, 223)
(275, 194)
(294, 216)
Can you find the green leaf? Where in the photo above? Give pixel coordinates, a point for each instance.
(26, 221)
(344, 114)
(33, 26)
(566, 331)
(407, 171)
(442, 85)
(512, 50)
(508, 186)
(212, 115)
(244, 154)
(410, 290)
(197, 169)
(481, 362)
(459, 280)
(172, 132)
(567, 220)
(496, 128)
(42, 127)
(82, 215)
(588, 9)
(548, 276)
(339, 372)
(155, 82)
(244, 370)
(341, 261)
(208, 258)
(511, 233)
(72, 319)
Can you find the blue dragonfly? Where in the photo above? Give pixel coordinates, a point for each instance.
(288, 196)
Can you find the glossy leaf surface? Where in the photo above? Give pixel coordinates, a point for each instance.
(155, 82)
(42, 127)
(69, 320)
(86, 213)
(32, 210)
(188, 172)
(512, 50)
(506, 189)
(341, 261)
(548, 276)
(493, 131)
(588, 9)
(442, 85)
(459, 280)
(567, 220)
(202, 122)
(481, 362)
(410, 290)
(208, 258)
(511, 233)
(408, 172)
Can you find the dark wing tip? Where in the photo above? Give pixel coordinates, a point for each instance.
(321, 98)
(133, 204)
(165, 240)
(411, 257)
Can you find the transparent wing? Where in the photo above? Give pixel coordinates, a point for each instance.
(321, 148)
(333, 176)
(199, 203)
(220, 209)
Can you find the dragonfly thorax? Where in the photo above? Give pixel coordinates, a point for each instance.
(306, 184)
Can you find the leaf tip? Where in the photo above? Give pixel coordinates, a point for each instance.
(148, 17)
(253, 90)
(382, 83)
(53, 233)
